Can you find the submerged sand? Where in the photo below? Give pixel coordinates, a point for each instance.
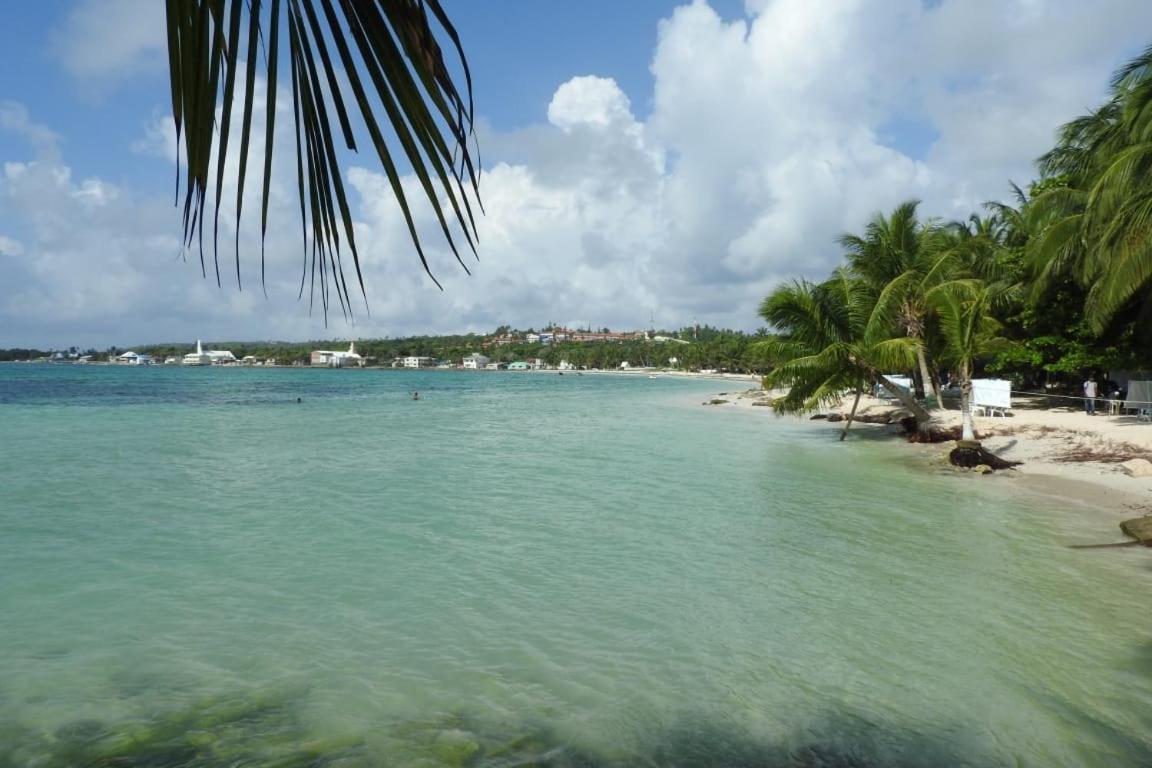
(1068, 456)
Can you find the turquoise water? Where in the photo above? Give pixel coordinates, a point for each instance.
(530, 569)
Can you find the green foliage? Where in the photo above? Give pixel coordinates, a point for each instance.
(967, 327)
(1092, 213)
(717, 349)
(21, 353)
(1065, 270)
(830, 338)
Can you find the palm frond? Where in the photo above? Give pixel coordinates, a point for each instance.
(378, 66)
(1137, 70)
(1126, 261)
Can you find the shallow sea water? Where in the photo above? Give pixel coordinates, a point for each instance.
(520, 569)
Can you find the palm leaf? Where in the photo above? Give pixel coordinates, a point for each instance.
(376, 66)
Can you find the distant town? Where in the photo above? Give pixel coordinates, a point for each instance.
(692, 348)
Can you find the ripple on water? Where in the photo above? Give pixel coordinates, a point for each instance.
(527, 569)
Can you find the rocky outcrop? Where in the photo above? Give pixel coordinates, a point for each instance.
(1139, 528)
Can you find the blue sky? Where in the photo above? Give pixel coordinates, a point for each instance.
(643, 158)
(513, 46)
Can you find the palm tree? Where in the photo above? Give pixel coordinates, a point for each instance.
(830, 338)
(969, 332)
(377, 65)
(900, 257)
(1097, 213)
(990, 249)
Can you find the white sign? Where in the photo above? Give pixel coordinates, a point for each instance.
(1139, 394)
(992, 393)
(903, 382)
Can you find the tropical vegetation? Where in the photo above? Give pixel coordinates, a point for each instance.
(1044, 289)
(833, 337)
(689, 349)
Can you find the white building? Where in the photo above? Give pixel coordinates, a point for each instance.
(199, 357)
(132, 358)
(475, 362)
(419, 362)
(565, 365)
(324, 357)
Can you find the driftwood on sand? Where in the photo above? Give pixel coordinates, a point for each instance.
(969, 454)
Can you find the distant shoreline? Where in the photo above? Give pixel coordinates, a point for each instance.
(656, 372)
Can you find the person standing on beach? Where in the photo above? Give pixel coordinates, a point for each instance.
(1090, 396)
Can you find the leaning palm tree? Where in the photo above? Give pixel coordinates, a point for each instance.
(376, 66)
(831, 338)
(900, 257)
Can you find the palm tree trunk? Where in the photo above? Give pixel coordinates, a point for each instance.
(922, 359)
(852, 413)
(967, 430)
(923, 418)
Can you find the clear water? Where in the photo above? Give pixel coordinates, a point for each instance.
(520, 569)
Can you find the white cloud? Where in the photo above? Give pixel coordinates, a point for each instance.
(159, 139)
(95, 263)
(768, 136)
(14, 117)
(590, 101)
(10, 246)
(102, 42)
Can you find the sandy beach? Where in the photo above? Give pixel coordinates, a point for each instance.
(1068, 456)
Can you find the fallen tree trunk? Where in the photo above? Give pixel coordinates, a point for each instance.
(931, 435)
(969, 454)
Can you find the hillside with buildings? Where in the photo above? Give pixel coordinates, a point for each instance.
(560, 348)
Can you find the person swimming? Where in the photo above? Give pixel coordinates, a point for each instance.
(415, 395)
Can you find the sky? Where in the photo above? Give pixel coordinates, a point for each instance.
(645, 162)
